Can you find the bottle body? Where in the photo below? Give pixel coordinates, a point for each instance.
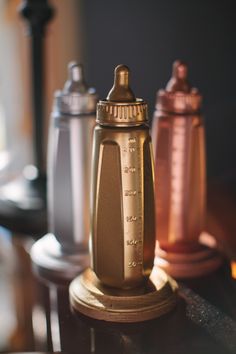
(179, 149)
(69, 173)
(123, 224)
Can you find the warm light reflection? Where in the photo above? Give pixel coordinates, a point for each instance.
(233, 269)
(207, 240)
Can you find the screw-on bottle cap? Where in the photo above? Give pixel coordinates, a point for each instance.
(179, 97)
(76, 98)
(121, 108)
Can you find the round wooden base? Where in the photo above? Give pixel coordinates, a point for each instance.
(51, 264)
(188, 265)
(91, 298)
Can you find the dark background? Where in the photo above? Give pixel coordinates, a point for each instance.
(148, 36)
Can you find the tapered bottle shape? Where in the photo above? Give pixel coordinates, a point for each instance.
(123, 220)
(69, 162)
(179, 148)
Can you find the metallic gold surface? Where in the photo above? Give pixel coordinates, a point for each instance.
(121, 91)
(121, 108)
(123, 218)
(90, 297)
(179, 149)
(123, 227)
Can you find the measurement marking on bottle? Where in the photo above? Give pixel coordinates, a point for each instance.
(134, 264)
(177, 177)
(132, 170)
(133, 242)
(131, 218)
(129, 149)
(130, 193)
(129, 169)
(132, 140)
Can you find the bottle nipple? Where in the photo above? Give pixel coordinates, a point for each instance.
(75, 82)
(121, 92)
(179, 80)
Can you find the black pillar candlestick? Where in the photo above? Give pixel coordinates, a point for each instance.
(23, 200)
(38, 13)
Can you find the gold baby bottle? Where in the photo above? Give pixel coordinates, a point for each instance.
(118, 286)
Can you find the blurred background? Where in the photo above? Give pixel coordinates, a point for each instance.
(63, 42)
(145, 35)
(148, 37)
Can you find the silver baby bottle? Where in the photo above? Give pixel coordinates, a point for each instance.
(64, 250)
